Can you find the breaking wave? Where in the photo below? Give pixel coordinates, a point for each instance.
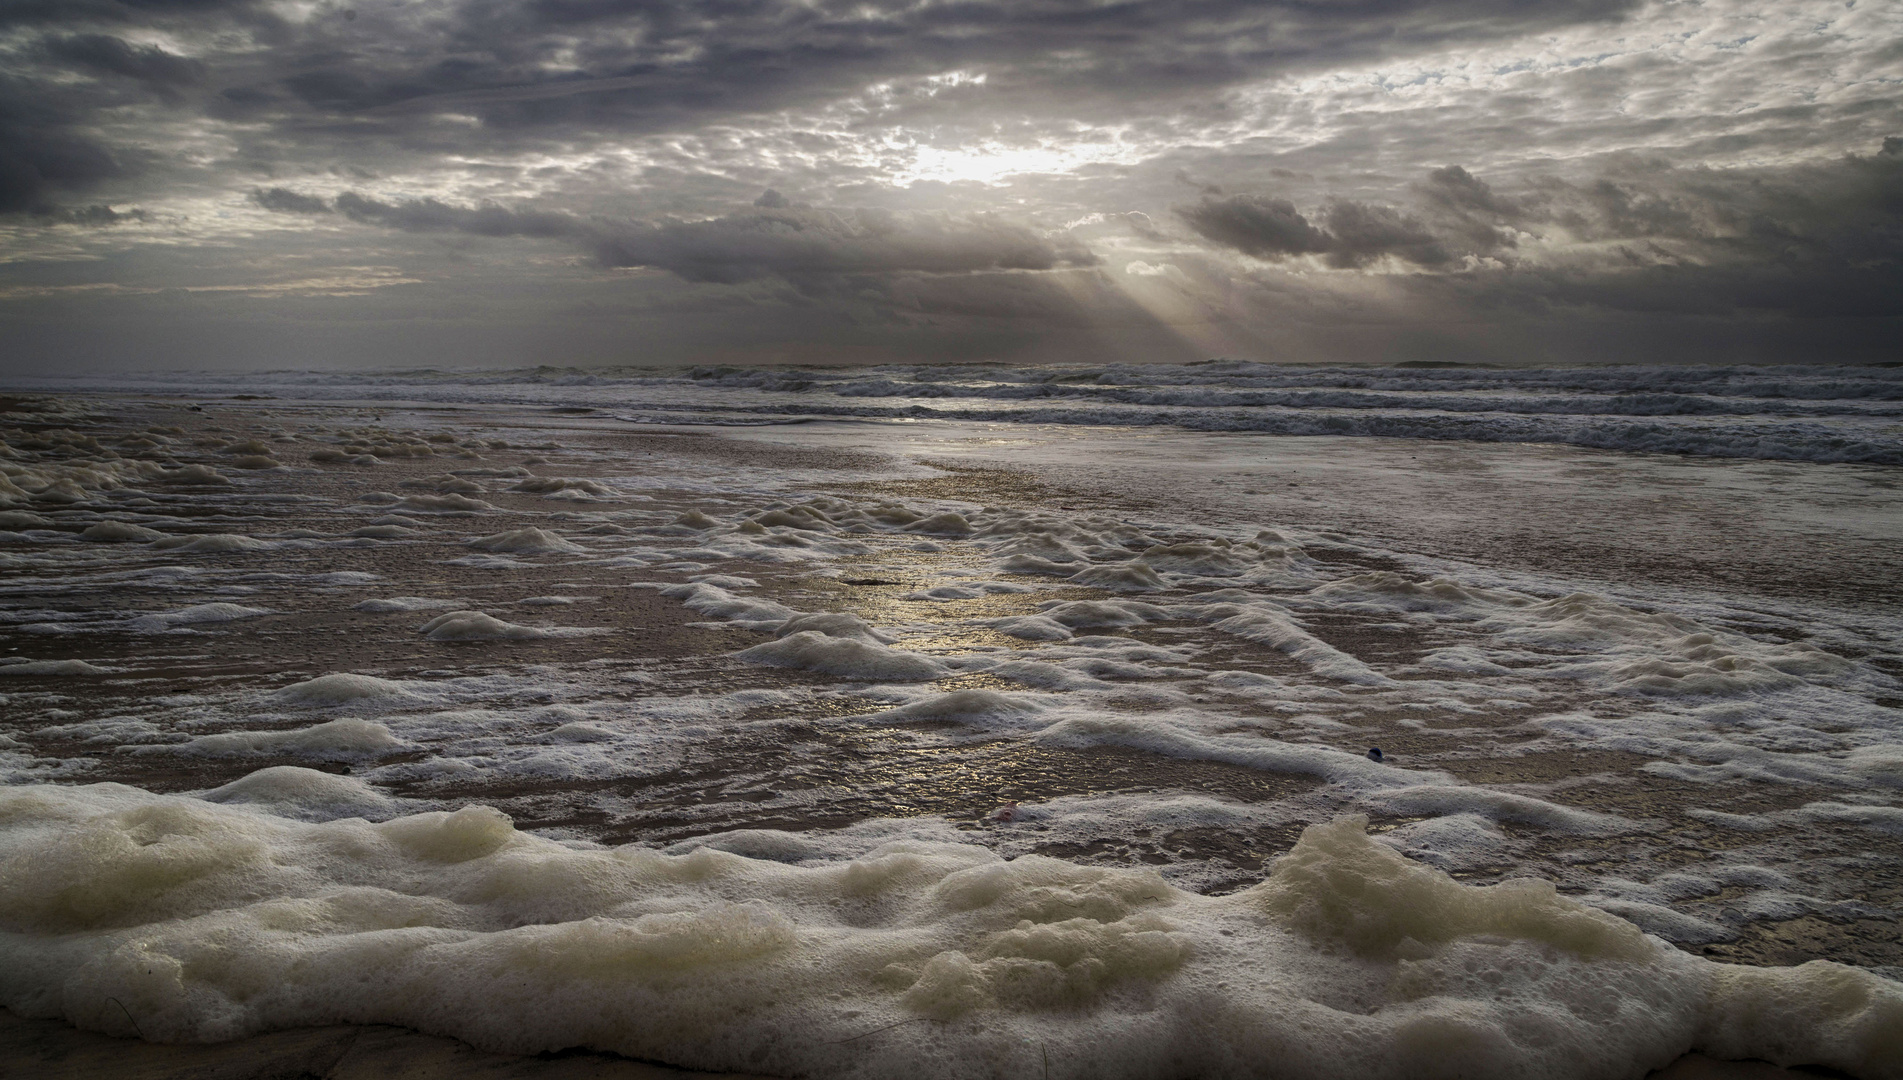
(1823, 413)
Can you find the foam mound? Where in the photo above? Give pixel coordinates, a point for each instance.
(850, 658)
(452, 505)
(212, 918)
(476, 626)
(946, 524)
(388, 604)
(528, 541)
(443, 484)
(956, 705)
(295, 792)
(196, 615)
(1032, 628)
(1132, 576)
(834, 624)
(345, 737)
(564, 487)
(111, 531)
(21, 666)
(342, 689)
(209, 543)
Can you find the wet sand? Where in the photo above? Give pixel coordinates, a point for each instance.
(51, 1050)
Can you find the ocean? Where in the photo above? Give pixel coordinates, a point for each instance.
(1215, 720)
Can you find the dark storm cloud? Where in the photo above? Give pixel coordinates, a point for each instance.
(105, 53)
(373, 89)
(1352, 234)
(1469, 211)
(794, 242)
(31, 12)
(535, 69)
(770, 239)
(1808, 241)
(432, 215)
(286, 201)
(1265, 227)
(635, 63)
(42, 152)
(95, 216)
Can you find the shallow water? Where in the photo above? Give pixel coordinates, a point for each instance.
(952, 747)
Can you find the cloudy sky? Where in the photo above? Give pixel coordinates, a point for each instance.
(197, 183)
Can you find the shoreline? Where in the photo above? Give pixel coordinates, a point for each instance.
(56, 1050)
(565, 724)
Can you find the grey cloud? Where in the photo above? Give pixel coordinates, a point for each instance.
(561, 75)
(1361, 233)
(634, 133)
(432, 215)
(42, 152)
(98, 215)
(105, 53)
(639, 57)
(795, 243)
(1142, 224)
(286, 201)
(1810, 241)
(527, 69)
(790, 242)
(29, 12)
(1266, 228)
(1354, 233)
(1469, 209)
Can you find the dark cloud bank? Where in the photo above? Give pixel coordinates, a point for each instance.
(772, 238)
(1818, 240)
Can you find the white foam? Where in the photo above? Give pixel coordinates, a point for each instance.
(295, 792)
(193, 476)
(568, 487)
(835, 624)
(387, 605)
(22, 666)
(454, 505)
(959, 705)
(345, 737)
(344, 689)
(207, 921)
(196, 615)
(1032, 628)
(949, 523)
(477, 626)
(120, 531)
(1132, 576)
(1497, 806)
(529, 540)
(443, 484)
(850, 658)
(209, 543)
(710, 599)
